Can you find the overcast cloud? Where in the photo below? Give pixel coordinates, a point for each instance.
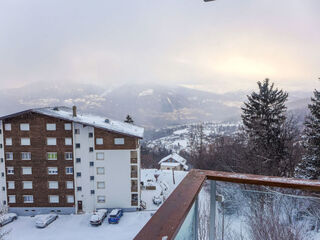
(219, 46)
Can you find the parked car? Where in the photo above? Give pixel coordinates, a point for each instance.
(7, 218)
(157, 200)
(115, 216)
(98, 217)
(45, 219)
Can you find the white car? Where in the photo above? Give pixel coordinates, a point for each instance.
(98, 217)
(44, 220)
(7, 218)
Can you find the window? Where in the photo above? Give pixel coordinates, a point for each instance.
(26, 156)
(99, 141)
(92, 191)
(26, 170)
(10, 170)
(119, 141)
(53, 185)
(51, 141)
(78, 174)
(53, 199)
(77, 131)
(78, 160)
(25, 141)
(90, 135)
(79, 189)
(91, 178)
(2, 174)
(52, 170)
(134, 199)
(77, 145)
(0, 131)
(67, 126)
(3, 188)
(12, 198)
(70, 199)
(9, 156)
(69, 170)
(134, 171)
(0, 145)
(133, 157)
(11, 185)
(68, 156)
(134, 186)
(9, 141)
(7, 127)
(68, 141)
(90, 149)
(27, 184)
(101, 199)
(24, 126)
(101, 185)
(52, 155)
(69, 184)
(51, 126)
(91, 164)
(100, 170)
(1, 159)
(100, 156)
(28, 198)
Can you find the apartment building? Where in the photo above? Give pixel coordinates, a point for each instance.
(55, 159)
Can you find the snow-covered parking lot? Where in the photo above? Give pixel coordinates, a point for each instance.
(77, 227)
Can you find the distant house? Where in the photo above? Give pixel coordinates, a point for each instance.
(173, 161)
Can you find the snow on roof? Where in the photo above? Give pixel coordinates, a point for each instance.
(175, 157)
(92, 120)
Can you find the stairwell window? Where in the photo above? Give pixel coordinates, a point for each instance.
(100, 170)
(25, 141)
(101, 185)
(119, 141)
(101, 199)
(100, 156)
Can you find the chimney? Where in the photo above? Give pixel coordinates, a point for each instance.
(74, 111)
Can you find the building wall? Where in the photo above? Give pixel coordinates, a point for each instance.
(39, 163)
(3, 193)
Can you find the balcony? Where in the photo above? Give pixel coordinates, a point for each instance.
(181, 215)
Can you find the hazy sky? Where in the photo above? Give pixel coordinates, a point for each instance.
(219, 46)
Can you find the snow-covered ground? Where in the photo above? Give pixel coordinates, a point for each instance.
(77, 227)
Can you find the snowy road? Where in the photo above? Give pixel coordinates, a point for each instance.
(77, 227)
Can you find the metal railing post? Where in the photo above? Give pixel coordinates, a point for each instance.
(196, 218)
(212, 222)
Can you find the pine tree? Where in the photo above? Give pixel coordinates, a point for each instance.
(310, 165)
(263, 118)
(129, 119)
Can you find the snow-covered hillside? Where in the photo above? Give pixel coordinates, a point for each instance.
(177, 138)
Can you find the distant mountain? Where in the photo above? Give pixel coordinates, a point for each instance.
(152, 106)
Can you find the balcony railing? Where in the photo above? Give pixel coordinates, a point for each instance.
(178, 217)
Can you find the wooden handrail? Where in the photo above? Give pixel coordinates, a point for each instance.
(167, 221)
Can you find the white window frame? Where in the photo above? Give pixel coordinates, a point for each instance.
(53, 170)
(70, 199)
(11, 185)
(53, 198)
(9, 154)
(99, 141)
(68, 156)
(68, 170)
(26, 170)
(25, 156)
(52, 153)
(102, 172)
(51, 141)
(51, 127)
(10, 170)
(119, 141)
(53, 185)
(101, 199)
(8, 141)
(24, 127)
(7, 126)
(27, 185)
(100, 155)
(68, 141)
(11, 198)
(101, 185)
(67, 126)
(25, 142)
(26, 200)
(68, 185)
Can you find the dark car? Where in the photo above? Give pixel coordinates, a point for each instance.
(115, 216)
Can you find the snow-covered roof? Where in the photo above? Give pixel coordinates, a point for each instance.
(88, 119)
(177, 158)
